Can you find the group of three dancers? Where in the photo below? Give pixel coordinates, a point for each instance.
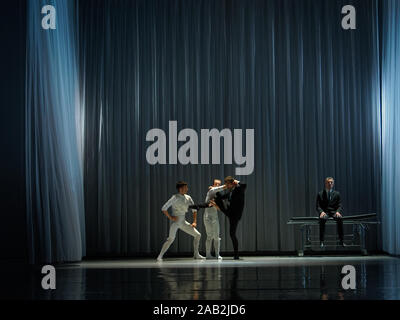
(227, 198)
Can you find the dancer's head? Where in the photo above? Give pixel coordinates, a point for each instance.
(229, 182)
(329, 183)
(182, 187)
(216, 183)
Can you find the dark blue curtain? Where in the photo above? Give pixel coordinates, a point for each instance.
(391, 126)
(55, 202)
(287, 69)
(12, 127)
(113, 70)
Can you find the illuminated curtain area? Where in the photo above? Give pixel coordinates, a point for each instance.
(287, 69)
(55, 204)
(391, 127)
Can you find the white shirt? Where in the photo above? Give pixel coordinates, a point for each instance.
(179, 203)
(212, 192)
(210, 196)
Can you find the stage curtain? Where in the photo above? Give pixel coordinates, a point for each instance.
(391, 127)
(55, 201)
(287, 69)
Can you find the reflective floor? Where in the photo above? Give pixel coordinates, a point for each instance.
(256, 278)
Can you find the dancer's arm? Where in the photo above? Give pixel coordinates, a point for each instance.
(194, 224)
(242, 186)
(172, 218)
(213, 191)
(167, 205)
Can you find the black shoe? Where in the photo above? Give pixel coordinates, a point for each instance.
(321, 245)
(342, 244)
(236, 257)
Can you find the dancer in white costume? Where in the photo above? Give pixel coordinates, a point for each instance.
(180, 203)
(211, 221)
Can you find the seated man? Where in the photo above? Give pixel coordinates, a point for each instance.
(328, 205)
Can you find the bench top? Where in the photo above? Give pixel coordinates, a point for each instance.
(353, 219)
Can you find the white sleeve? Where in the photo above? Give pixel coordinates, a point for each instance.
(169, 203)
(192, 202)
(212, 192)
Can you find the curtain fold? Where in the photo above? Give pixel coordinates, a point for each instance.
(287, 69)
(55, 202)
(391, 126)
(322, 101)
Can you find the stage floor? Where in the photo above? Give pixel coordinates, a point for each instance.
(256, 278)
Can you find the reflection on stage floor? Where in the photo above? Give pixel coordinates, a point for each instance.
(256, 278)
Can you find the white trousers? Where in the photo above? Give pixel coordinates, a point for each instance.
(185, 226)
(211, 222)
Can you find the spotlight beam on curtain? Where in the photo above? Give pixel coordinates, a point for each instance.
(391, 127)
(55, 205)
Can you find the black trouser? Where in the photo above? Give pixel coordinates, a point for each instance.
(233, 221)
(339, 223)
(233, 224)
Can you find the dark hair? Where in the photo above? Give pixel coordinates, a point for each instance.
(180, 184)
(229, 179)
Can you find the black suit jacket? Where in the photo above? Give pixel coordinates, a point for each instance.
(330, 207)
(235, 208)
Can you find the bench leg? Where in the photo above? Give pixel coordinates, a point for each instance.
(300, 252)
(308, 234)
(353, 239)
(363, 241)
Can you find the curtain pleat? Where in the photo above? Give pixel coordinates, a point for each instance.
(55, 199)
(391, 127)
(287, 69)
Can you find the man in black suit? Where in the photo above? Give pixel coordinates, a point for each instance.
(232, 204)
(329, 204)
